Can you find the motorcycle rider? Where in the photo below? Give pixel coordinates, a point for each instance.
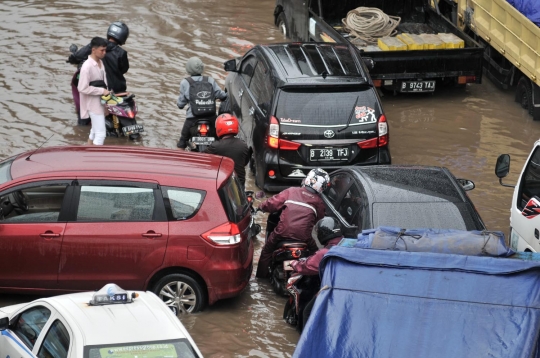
(115, 61)
(195, 68)
(230, 146)
(301, 208)
(326, 233)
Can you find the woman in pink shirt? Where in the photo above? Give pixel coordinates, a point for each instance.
(90, 96)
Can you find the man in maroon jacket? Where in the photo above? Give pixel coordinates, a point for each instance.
(300, 209)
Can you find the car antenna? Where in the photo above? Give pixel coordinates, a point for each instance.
(28, 158)
(350, 116)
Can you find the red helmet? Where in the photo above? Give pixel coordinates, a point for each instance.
(226, 124)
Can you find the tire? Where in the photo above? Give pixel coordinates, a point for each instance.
(282, 24)
(225, 107)
(524, 94)
(252, 164)
(192, 296)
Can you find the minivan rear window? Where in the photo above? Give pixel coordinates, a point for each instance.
(5, 170)
(234, 200)
(329, 107)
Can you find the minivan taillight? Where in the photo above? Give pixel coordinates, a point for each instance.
(273, 133)
(381, 140)
(225, 234)
(383, 131)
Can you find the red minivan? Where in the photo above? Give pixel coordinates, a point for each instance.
(75, 218)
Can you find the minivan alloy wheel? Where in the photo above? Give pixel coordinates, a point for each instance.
(180, 292)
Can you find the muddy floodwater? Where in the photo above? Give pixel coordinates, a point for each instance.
(463, 130)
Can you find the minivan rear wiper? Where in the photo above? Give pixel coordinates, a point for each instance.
(350, 116)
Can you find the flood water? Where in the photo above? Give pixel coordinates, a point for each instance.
(463, 130)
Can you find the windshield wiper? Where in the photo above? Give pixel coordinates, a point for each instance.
(350, 116)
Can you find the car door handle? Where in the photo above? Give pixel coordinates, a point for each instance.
(251, 111)
(49, 234)
(536, 234)
(241, 92)
(151, 234)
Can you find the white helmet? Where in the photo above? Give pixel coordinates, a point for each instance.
(317, 179)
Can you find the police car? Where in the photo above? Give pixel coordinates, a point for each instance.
(108, 323)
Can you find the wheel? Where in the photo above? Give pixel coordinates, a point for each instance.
(282, 24)
(20, 203)
(181, 292)
(524, 94)
(252, 164)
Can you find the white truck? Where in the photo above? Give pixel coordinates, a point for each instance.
(525, 211)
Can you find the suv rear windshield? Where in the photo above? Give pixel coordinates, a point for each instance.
(328, 107)
(5, 170)
(234, 200)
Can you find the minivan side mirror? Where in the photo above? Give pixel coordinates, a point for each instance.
(368, 61)
(466, 184)
(502, 168)
(230, 66)
(4, 323)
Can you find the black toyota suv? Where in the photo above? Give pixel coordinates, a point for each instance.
(306, 105)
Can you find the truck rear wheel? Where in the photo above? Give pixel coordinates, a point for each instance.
(524, 94)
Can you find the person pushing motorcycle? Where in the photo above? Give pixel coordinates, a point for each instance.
(301, 208)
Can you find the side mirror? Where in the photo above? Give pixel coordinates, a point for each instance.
(370, 64)
(466, 184)
(230, 66)
(4, 323)
(73, 48)
(503, 166)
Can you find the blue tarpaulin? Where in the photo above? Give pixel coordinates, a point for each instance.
(386, 303)
(529, 8)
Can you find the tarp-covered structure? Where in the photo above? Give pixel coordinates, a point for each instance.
(390, 303)
(529, 8)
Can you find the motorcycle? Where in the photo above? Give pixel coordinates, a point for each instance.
(202, 135)
(302, 289)
(122, 108)
(286, 251)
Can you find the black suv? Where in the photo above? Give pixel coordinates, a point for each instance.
(302, 106)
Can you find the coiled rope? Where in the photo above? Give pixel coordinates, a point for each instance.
(370, 24)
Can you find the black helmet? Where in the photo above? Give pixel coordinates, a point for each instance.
(118, 31)
(326, 229)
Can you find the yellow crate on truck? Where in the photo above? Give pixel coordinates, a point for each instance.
(414, 42)
(510, 32)
(451, 41)
(432, 41)
(389, 43)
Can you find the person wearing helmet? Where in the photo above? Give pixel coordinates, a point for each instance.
(195, 68)
(326, 233)
(301, 207)
(116, 59)
(230, 146)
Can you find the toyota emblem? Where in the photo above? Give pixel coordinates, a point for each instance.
(329, 133)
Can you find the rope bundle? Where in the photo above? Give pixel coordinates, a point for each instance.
(370, 24)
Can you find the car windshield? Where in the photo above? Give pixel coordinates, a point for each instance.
(328, 107)
(180, 348)
(435, 215)
(5, 170)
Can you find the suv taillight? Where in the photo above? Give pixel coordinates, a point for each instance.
(225, 234)
(273, 133)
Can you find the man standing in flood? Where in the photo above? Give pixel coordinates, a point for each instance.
(93, 85)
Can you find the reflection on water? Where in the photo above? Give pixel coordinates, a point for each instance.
(463, 130)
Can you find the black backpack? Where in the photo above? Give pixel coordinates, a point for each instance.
(201, 97)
